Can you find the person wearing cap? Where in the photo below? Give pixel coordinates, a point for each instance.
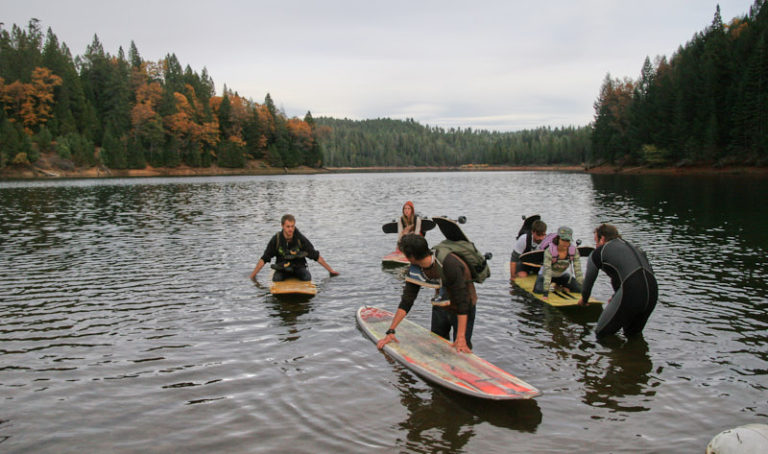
(409, 222)
(290, 248)
(559, 256)
(632, 278)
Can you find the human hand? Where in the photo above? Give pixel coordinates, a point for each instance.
(461, 345)
(581, 302)
(333, 273)
(387, 339)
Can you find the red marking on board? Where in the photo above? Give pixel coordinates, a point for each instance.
(498, 374)
(476, 381)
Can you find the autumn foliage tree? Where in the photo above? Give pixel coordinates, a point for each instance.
(136, 112)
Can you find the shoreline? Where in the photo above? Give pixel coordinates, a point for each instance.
(49, 167)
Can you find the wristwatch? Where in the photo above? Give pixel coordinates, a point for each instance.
(390, 331)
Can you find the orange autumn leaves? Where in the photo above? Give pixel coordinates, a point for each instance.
(187, 123)
(30, 103)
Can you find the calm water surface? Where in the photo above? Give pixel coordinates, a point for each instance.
(128, 322)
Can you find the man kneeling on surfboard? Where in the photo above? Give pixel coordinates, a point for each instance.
(290, 247)
(456, 278)
(632, 279)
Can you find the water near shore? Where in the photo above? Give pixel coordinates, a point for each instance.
(128, 322)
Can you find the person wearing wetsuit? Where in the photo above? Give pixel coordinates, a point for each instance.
(290, 248)
(456, 277)
(632, 279)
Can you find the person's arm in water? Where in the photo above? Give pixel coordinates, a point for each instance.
(258, 268)
(269, 252)
(325, 265)
(589, 279)
(313, 254)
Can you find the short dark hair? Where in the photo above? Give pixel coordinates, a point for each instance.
(539, 227)
(287, 217)
(607, 231)
(414, 245)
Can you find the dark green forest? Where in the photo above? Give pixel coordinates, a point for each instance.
(705, 104)
(386, 142)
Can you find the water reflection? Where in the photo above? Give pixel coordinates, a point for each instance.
(621, 371)
(441, 420)
(568, 326)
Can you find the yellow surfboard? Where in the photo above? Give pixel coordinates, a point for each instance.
(292, 286)
(559, 298)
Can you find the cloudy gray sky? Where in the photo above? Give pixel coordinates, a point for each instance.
(502, 65)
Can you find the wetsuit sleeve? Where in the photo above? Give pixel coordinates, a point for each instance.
(271, 250)
(307, 247)
(546, 271)
(456, 284)
(410, 292)
(592, 269)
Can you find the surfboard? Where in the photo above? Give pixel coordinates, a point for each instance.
(556, 298)
(435, 360)
(292, 286)
(395, 258)
(536, 258)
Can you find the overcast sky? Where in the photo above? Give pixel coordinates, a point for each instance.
(501, 65)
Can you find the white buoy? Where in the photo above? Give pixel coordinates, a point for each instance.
(748, 439)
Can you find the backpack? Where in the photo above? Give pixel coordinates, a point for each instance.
(478, 263)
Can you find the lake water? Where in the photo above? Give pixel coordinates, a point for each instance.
(128, 322)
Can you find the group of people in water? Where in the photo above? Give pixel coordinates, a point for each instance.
(634, 284)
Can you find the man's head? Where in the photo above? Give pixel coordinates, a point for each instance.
(605, 233)
(538, 231)
(414, 247)
(289, 225)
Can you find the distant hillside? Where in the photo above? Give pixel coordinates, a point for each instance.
(387, 142)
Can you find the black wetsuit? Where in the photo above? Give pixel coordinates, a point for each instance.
(633, 281)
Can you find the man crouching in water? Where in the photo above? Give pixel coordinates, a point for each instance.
(456, 278)
(290, 248)
(632, 279)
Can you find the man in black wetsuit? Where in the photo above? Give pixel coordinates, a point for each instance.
(632, 279)
(456, 278)
(290, 247)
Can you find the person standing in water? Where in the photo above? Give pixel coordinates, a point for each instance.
(632, 278)
(454, 273)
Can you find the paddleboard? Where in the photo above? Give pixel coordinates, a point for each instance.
(557, 298)
(436, 361)
(395, 258)
(292, 286)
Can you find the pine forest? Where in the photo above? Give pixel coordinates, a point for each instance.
(705, 104)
